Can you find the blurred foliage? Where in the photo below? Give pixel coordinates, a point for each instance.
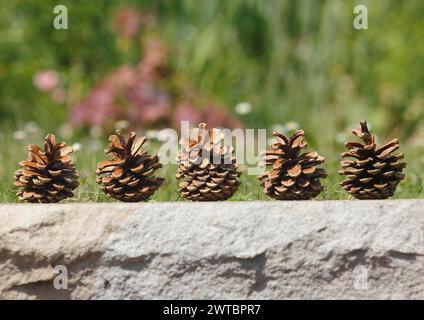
(291, 60)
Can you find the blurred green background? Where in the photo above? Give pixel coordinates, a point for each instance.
(146, 65)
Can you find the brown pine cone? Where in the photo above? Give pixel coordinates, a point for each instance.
(374, 173)
(129, 175)
(47, 175)
(209, 170)
(293, 176)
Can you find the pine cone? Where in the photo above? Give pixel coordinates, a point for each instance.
(293, 176)
(209, 170)
(128, 176)
(47, 176)
(375, 172)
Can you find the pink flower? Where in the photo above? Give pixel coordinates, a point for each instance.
(123, 77)
(97, 109)
(46, 80)
(186, 112)
(153, 66)
(128, 21)
(148, 104)
(58, 95)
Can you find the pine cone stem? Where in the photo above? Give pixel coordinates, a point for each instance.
(364, 133)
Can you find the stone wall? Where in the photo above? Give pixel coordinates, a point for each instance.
(228, 250)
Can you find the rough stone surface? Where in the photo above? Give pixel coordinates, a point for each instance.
(228, 250)
(34, 239)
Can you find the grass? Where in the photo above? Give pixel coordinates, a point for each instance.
(90, 153)
(291, 60)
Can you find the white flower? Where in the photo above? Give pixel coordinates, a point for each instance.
(19, 135)
(243, 108)
(76, 146)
